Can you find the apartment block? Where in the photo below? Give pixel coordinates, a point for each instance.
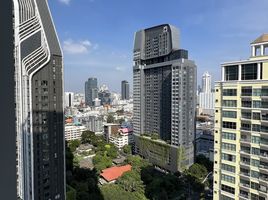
(241, 127)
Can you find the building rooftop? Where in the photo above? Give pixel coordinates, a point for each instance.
(113, 173)
(261, 39)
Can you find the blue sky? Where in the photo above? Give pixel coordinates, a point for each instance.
(97, 35)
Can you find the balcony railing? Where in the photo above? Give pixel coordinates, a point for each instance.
(245, 174)
(245, 185)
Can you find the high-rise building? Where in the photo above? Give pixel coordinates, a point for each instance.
(8, 180)
(69, 99)
(104, 95)
(241, 127)
(91, 91)
(124, 90)
(206, 97)
(164, 98)
(206, 83)
(39, 103)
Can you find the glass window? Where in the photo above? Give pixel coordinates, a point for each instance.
(228, 178)
(255, 163)
(246, 103)
(228, 168)
(228, 157)
(223, 197)
(255, 151)
(230, 125)
(256, 104)
(229, 114)
(228, 189)
(256, 116)
(229, 103)
(246, 91)
(229, 92)
(231, 72)
(227, 146)
(245, 127)
(257, 92)
(255, 139)
(249, 71)
(246, 115)
(264, 91)
(228, 136)
(256, 127)
(254, 186)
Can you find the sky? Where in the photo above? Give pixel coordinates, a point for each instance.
(97, 35)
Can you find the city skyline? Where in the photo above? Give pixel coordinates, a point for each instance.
(104, 44)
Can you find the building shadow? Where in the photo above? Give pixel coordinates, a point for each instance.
(82, 184)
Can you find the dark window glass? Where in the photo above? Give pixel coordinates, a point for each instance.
(230, 125)
(229, 92)
(228, 189)
(231, 73)
(249, 71)
(246, 91)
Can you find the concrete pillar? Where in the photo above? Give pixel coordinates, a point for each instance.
(262, 50)
(222, 73)
(259, 71)
(240, 72)
(253, 51)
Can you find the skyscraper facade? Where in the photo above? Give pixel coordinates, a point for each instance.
(241, 127)
(206, 83)
(124, 90)
(164, 95)
(91, 91)
(69, 99)
(206, 96)
(39, 103)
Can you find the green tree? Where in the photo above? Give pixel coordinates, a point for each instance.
(102, 162)
(203, 160)
(73, 144)
(131, 182)
(70, 193)
(110, 118)
(112, 151)
(114, 191)
(198, 171)
(87, 137)
(127, 149)
(137, 162)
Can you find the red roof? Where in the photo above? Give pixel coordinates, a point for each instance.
(114, 173)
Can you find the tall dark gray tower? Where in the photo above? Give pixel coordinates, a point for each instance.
(39, 103)
(8, 180)
(164, 95)
(91, 91)
(124, 90)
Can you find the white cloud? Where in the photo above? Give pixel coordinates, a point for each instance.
(67, 2)
(77, 47)
(120, 69)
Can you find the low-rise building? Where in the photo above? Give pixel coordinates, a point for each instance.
(73, 132)
(119, 136)
(110, 129)
(110, 175)
(123, 137)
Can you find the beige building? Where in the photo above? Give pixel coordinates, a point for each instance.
(241, 127)
(73, 132)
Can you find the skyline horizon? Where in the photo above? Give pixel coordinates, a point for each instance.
(97, 40)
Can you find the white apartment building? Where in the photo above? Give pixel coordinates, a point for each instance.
(73, 132)
(123, 137)
(118, 136)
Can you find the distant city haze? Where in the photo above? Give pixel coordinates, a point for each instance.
(97, 36)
